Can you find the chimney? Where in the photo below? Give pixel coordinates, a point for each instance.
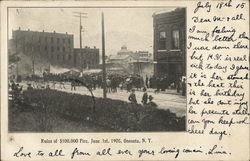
(28, 29)
(19, 28)
(43, 30)
(54, 31)
(66, 33)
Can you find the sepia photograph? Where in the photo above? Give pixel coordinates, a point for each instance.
(96, 69)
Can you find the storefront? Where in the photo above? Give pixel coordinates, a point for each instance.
(170, 44)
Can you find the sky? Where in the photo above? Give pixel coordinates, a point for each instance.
(132, 27)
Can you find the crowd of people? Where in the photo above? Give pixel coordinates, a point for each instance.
(130, 83)
(161, 83)
(124, 82)
(113, 82)
(93, 81)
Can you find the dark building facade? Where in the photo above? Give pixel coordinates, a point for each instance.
(56, 48)
(87, 58)
(50, 48)
(170, 44)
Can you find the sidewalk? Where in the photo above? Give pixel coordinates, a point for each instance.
(167, 91)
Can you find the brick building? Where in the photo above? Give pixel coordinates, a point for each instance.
(57, 48)
(39, 50)
(170, 44)
(87, 59)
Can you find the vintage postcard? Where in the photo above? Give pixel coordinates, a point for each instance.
(125, 80)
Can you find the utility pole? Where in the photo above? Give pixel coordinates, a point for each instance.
(103, 60)
(33, 61)
(80, 15)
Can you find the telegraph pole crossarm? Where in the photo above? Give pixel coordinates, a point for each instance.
(80, 15)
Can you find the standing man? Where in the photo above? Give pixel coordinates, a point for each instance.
(183, 85)
(132, 97)
(146, 81)
(73, 85)
(108, 81)
(151, 82)
(178, 86)
(144, 97)
(158, 84)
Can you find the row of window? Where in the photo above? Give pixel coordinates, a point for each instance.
(87, 54)
(28, 48)
(45, 39)
(175, 40)
(46, 48)
(52, 39)
(52, 49)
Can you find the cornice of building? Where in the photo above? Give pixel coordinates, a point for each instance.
(42, 32)
(178, 12)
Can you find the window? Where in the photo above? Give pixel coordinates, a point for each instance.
(69, 41)
(52, 49)
(162, 40)
(69, 57)
(175, 39)
(63, 40)
(63, 49)
(63, 57)
(58, 40)
(58, 48)
(57, 57)
(45, 48)
(52, 39)
(39, 39)
(163, 35)
(46, 39)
